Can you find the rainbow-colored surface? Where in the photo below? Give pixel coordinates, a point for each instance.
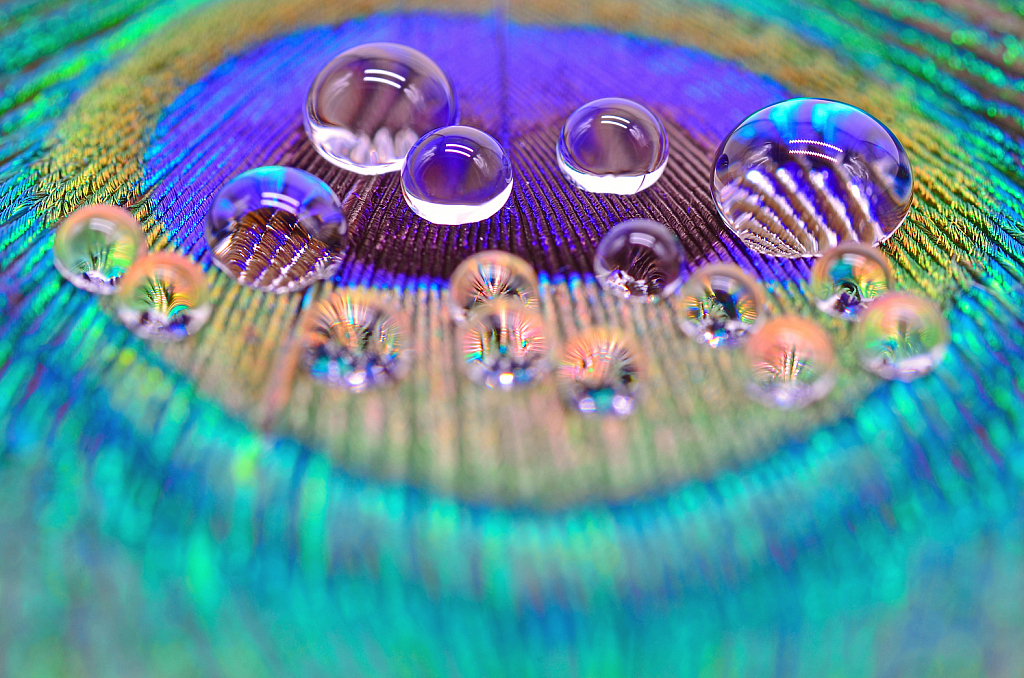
(204, 509)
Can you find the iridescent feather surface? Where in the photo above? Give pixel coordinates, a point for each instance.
(205, 508)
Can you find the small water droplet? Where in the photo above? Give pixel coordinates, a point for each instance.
(612, 146)
(370, 104)
(277, 229)
(356, 341)
(505, 346)
(164, 296)
(490, 276)
(457, 175)
(95, 245)
(901, 336)
(721, 306)
(790, 362)
(640, 260)
(847, 278)
(802, 175)
(600, 372)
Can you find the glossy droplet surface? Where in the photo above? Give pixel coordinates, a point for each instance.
(164, 296)
(277, 229)
(640, 260)
(489, 276)
(370, 104)
(847, 278)
(721, 306)
(356, 341)
(802, 175)
(95, 245)
(600, 372)
(612, 146)
(901, 336)
(457, 175)
(790, 363)
(504, 346)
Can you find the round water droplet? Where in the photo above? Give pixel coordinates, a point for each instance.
(640, 260)
(505, 346)
(370, 104)
(901, 336)
(164, 296)
(721, 306)
(802, 175)
(600, 372)
(847, 278)
(612, 146)
(95, 245)
(355, 341)
(277, 229)
(491, 276)
(457, 175)
(790, 363)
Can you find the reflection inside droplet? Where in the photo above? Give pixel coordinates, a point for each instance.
(504, 345)
(901, 336)
(95, 245)
(790, 363)
(721, 306)
(600, 372)
(164, 296)
(490, 276)
(640, 260)
(847, 278)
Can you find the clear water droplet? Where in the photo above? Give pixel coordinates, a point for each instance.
(504, 346)
(639, 260)
(901, 336)
(847, 278)
(612, 146)
(600, 372)
(457, 175)
(370, 104)
(790, 363)
(277, 229)
(721, 306)
(164, 296)
(355, 341)
(800, 176)
(491, 276)
(95, 245)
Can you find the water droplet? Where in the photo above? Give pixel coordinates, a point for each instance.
(847, 278)
(721, 306)
(95, 245)
(370, 104)
(790, 363)
(164, 296)
(600, 372)
(276, 229)
(490, 276)
(802, 175)
(640, 260)
(901, 336)
(457, 175)
(356, 341)
(612, 146)
(505, 346)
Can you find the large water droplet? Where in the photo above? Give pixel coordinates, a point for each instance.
(370, 104)
(505, 346)
(95, 245)
(847, 278)
(790, 362)
(457, 175)
(612, 146)
(600, 372)
(721, 306)
(164, 296)
(277, 229)
(800, 176)
(356, 341)
(640, 260)
(901, 336)
(490, 276)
